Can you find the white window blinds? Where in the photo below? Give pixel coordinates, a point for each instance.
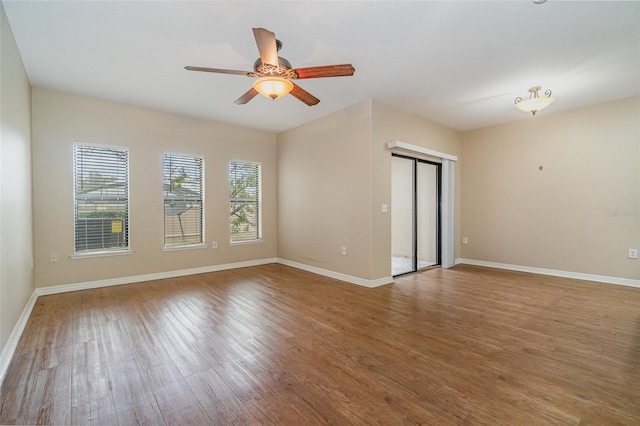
(244, 189)
(101, 198)
(183, 178)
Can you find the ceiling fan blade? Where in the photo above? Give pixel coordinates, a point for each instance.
(250, 94)
(266, 41)
(343, 70)
(303, 95)
(218, 70)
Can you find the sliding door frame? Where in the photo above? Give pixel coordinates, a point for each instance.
(414, 208)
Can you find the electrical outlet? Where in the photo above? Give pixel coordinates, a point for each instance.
(214, 244)
(633, 253)
(344, 251)
(53, 257)
(465, 240)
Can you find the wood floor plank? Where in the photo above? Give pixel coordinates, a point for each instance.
(146, 343)
(130, 386)
(95, 412)
(90, 377)
(276, 345)
(183, 354)
(84, 327)
(176, 401)
(180, 351)
(116, 342)
(244, 385)
(144, 413)
(49, 400)
(220, 403)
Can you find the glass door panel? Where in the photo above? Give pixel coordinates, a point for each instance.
(402, 216)
(427, 206)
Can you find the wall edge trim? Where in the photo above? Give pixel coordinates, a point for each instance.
(553, 272)
(42, 291)
(12, 343)
(337, 275)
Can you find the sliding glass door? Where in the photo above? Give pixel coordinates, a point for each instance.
(415, 214)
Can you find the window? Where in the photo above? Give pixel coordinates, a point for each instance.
(182, 182)
(101, 198)
(244, 189)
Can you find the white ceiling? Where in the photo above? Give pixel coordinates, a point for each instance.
(457, 63)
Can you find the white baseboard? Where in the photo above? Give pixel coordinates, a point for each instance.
(337, 275)
(41, 291)
(12, 343)
(553, 272)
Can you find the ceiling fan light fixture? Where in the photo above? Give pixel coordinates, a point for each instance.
(275, 73)
(273, 87)
(535, 103)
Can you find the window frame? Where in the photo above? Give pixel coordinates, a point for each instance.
(258, 238)
(113, 251)
(202, 243)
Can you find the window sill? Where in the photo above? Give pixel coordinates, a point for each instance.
(241, 243)
(185, 247)
(105, 253)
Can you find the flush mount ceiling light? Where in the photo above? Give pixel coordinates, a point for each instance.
(535, 103)
(273, 87)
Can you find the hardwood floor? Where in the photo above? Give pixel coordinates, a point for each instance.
(275, 345)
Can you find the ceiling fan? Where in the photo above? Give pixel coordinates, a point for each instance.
(275, 73)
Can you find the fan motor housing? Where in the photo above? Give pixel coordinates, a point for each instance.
(270, 69)
(282, 69)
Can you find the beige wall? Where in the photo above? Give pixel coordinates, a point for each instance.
(334, 174)
(16, 218)
(388, 124)
(324, 192)
(579, 213)
(61, 119)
